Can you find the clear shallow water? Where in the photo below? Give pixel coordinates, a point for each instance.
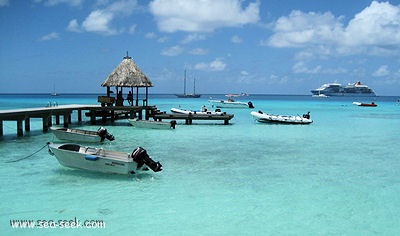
(337, 176)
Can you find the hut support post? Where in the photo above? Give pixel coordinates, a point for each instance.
(20, 132)
(57, 119)
(45, 122)
(65, 120)
(137, 96)
(147, 95)
(79, 115)
(1, 127)
(27, 124)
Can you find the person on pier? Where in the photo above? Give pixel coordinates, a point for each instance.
(129, 97)
(120, 99)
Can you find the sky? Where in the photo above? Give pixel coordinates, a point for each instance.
(225, 46)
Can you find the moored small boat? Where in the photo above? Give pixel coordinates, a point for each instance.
(81, 135)
(203, 111)
(101, 160)
(231, 103)
(360, 104)
(151, 124)
(266, 118)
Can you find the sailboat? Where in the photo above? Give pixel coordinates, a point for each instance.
(54, 93)
(188, 95)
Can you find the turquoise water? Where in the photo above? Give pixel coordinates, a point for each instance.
(338, 176)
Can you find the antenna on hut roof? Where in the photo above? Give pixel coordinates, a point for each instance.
(127, 56)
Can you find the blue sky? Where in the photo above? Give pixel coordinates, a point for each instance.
(229, 46)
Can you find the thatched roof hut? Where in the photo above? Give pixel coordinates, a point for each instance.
(127, 74)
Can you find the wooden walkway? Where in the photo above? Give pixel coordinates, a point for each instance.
(24, 115)
(190, 117)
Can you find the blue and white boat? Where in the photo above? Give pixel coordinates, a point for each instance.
(101, 160)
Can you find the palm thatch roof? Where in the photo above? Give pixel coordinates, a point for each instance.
(127, 74)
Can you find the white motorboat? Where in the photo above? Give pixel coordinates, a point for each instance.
(362, 104)
(151, 124)
(266, 118)
(101, 160)
(80, 135)
(231, 103)
(203, 111)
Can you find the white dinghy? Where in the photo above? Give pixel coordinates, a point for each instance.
(101, 160)
(266, 118)
(80, 135)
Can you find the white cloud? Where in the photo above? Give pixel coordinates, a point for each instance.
(4, 3)
(172, 51)
(150, 35)
(198, 51)
(193, 37)
(376, 29)
(101, 20)
(132, 29)
(300, 29)
(236, 39)
(73, 26)
(216, 65)
(381, 71)
(301, 68)
(378, 24)
(202, 16)
(73, 3)
(51, 36)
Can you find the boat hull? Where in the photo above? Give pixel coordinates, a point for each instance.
(365, 104)
(152, 124)
(95, 159)
(350, 90)
(228, 104)
(182, 111)
(66, 134)
(188, 95)
(267, 118)
(79, 135)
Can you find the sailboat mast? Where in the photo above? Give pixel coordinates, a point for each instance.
(184, 83)
(194, 85)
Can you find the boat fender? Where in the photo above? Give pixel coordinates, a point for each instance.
(173, 123)
(250, 104)
(91, 157)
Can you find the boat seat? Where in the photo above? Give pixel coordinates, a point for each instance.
(70, 147)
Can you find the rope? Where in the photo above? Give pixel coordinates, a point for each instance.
(28, 155)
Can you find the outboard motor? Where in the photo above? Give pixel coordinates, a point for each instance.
(141, 157)
(250, 104)
(102, 132)
(173, 124)
(307, 116)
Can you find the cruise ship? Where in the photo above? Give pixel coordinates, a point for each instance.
(335, 89)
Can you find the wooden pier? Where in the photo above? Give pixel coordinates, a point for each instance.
(23, 116)
(190, 117)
